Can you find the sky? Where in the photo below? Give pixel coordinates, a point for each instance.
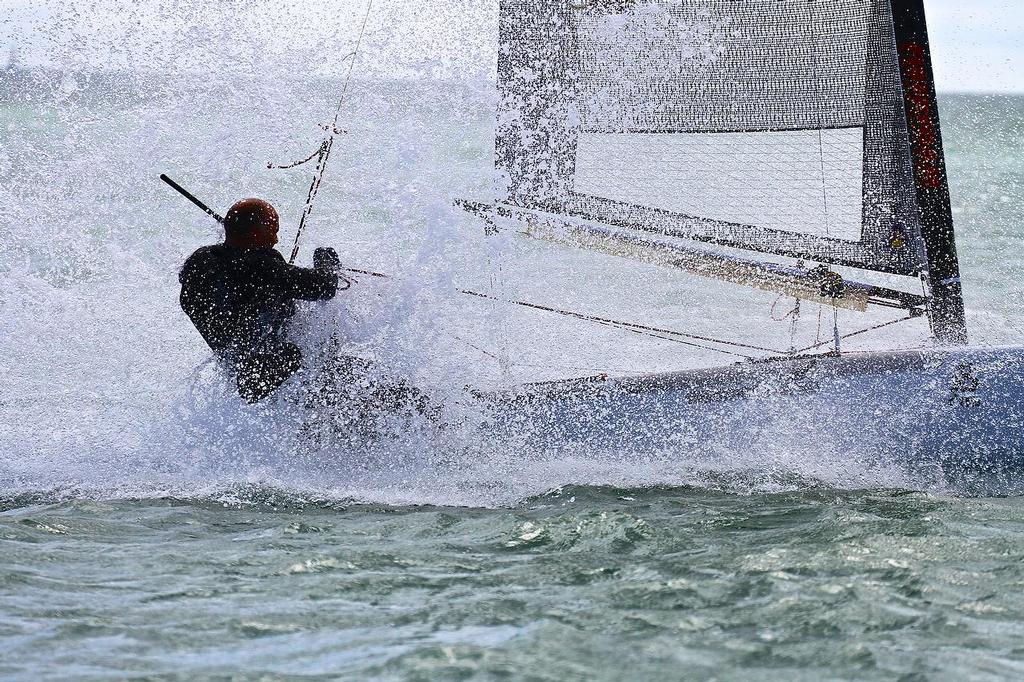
(978, 45)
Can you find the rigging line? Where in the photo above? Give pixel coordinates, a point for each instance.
(505, 362)
(314, 187)
(819, 106)
(858, 333)
(788, 316)
(631, 326)
(836, 337)
(295, 164)
(559, 366)
(642, 331)
(654, 335)
(793, 316)
(794, 324)
(824, 206)
(824, 189)
(817, 333)
(638, 329)
(654, 332)
(604, 372)
(370, 273)
(476, 348)
(351, 66)
(324, 153)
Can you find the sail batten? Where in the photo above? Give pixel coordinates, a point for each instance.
(723, 233)
(814, 285)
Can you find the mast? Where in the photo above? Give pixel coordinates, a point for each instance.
(931, 183)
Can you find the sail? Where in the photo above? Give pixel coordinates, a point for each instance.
(771, 125)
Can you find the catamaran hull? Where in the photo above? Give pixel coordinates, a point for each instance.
(954, 413)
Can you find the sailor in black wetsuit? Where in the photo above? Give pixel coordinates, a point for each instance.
(241, 294)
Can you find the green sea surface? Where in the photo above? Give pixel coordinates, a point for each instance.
(579, 584)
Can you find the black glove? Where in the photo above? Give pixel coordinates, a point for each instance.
(326, 258)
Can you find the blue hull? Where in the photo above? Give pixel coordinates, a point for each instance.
(958, 412)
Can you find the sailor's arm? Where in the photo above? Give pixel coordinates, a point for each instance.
(318, 283)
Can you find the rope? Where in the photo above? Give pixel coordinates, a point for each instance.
(658, 333)
(505, 363)
(324, 152)
(295, 164)
(599, 370)
(655, 332)
(857, 333)
(788, 316)
(794, 325)
(351, 66)
(476, 348)
(824, 201)
(819, 108)
(835, 329)
(824, 187)
(314, 187)
(625, 326)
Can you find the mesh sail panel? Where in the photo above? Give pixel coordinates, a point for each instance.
(771, 125)
(722, 66)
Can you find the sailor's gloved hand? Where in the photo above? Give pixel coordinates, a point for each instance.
(326, 258)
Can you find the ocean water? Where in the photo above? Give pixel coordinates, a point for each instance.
(153, 527)
(581, 583)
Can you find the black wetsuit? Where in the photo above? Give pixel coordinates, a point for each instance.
(241, 300)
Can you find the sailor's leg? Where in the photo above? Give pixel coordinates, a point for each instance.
(397, 395)
(366, 387)
(261, 374)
